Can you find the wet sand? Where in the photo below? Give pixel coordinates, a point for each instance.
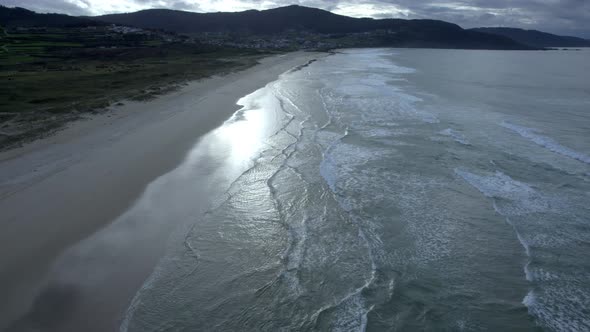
(59, 191)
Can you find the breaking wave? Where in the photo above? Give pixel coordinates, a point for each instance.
(546, 142)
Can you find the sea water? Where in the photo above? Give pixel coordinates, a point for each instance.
(387, 190)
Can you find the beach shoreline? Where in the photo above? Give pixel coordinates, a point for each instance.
(58, 191)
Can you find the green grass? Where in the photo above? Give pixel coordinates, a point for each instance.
(46, 79)
(47, 44)
(55, 88)
(153, 43)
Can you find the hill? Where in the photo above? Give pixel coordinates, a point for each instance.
(394, 32)
(536, 38)
(20, 17)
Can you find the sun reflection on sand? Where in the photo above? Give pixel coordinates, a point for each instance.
(243, 135)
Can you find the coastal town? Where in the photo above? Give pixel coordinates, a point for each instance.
(120, 35)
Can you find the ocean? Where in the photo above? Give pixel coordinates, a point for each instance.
(388, 190)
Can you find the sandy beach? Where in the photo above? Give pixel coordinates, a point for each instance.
(59, 191)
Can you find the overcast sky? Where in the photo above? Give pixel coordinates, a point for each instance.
(557, 16)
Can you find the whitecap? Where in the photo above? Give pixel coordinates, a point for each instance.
(456, 136)
(518, 198)
(546, 142)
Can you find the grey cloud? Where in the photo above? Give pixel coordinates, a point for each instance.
(170, 4)
(49, 6)
(184, 5)
(557, 16)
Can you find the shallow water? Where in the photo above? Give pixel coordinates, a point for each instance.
(389, 190)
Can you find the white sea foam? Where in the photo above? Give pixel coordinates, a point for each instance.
(518, 198)
(363, 177)
(511, 199)
(376, 60)
(559, 307)
(456, 136)
(558, 298)
(431, 226)
(328, 171)
(546, 142)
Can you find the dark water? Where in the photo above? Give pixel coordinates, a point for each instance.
(389, 190)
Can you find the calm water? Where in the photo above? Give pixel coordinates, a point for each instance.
(389, 190)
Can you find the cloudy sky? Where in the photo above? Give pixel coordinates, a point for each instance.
(557, 16)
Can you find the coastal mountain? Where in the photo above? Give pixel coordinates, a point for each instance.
(269, 21)
(536, 38)
(20, 17)
(307, 23)
(396, 32)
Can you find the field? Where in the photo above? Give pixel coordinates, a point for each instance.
(54, 75)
